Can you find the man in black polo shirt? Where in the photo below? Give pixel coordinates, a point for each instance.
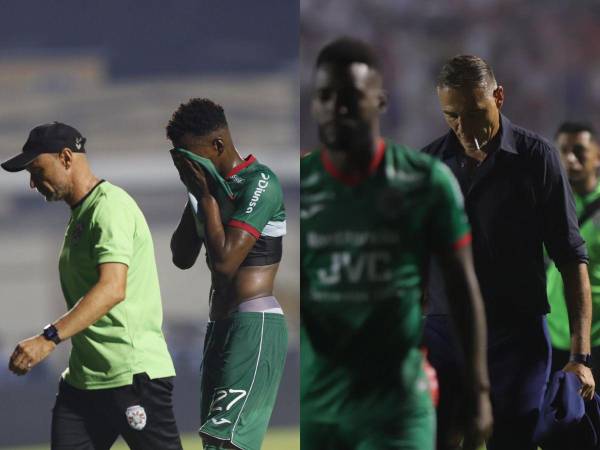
(518, 199)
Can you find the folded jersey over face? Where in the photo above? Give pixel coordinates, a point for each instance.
(250, 198)
(223, 194)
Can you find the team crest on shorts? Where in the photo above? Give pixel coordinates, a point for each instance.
(136, 417)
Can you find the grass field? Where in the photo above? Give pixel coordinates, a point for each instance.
(277, 439)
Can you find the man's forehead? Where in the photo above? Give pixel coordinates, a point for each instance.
(465, 98)
(41, 160)
(357, 73)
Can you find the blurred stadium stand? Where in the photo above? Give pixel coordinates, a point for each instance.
(117, 72)
(545, 54)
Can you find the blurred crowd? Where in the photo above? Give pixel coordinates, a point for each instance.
(544, 53)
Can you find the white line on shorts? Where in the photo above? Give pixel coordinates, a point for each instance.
(262, 327)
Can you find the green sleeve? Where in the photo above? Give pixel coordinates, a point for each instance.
(113, 228)
(257, 204)
(449, 223)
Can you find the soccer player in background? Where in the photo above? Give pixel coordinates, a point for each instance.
(119, 379)
(372, 212)
(518, 199)
(246, 339)
(579, 153)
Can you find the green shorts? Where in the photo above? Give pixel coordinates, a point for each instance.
(414, 431)
(373, 419)
(243, 362)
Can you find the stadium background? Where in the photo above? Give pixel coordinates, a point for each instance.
(116, 70)
(544, 53)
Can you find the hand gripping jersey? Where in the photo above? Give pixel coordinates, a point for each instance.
(364, 246)
(250, 198)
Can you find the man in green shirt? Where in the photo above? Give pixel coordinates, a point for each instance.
(578, 146)
(119, 379)
(371, 213)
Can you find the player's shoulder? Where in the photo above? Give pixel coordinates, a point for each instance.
(109, 192)
(405, 159)
(113, 200)
(530, 144)
(311, 168)
(309, 160)
(259, 170)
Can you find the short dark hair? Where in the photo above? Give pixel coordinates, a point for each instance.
(199, 116)
(345, 51)
(466, 71)
(575, 127)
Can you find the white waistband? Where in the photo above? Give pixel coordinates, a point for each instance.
(262, 304)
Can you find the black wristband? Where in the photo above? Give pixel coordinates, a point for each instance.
(50, 333)
(581, 358)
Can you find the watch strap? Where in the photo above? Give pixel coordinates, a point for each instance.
(50, 333)
(581, 358)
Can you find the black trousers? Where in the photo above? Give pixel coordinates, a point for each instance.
(142, 413)
(518, 356)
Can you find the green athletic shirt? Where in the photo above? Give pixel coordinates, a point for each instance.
(108, 227)
(250, 197)
(364, 246)
(558, 319)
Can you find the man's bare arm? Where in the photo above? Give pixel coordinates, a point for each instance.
(467, 311)
(579, 306)
(104, 295)
(185, 243)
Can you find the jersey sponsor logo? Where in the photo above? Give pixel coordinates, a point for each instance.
(307, 213)
(370, 266)
(403, 176)
(354, 295)
(310, 180)
(354, 239)
(136, 417)
(260, 188)
(318, 197)
(236, 179)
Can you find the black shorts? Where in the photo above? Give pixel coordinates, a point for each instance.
(142, 413)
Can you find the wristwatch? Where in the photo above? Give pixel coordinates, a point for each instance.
(50, 333)
(581, 358)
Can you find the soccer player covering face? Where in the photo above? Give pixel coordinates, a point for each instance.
(236, 211)
(518, 200)
(119, 379)
(372, 212)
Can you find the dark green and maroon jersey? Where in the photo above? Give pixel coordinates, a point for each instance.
(249, 197)
(364, 246)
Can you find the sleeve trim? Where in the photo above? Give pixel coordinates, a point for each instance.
(112, 258)
(244, 226)
(462, 242)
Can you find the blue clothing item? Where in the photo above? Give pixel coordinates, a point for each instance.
(567, 421)
(518, 200)
(519, 365)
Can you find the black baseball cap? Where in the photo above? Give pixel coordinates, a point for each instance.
(47, 138)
